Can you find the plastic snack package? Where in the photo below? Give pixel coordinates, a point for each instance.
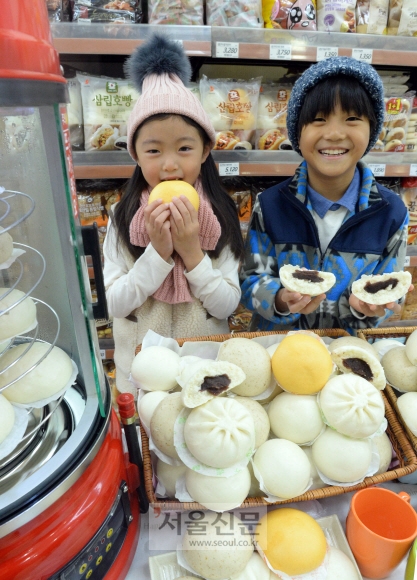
(118, 11)
(232, 106)
(408, 20)
(409, 197)
(271, 132)
(75, 110)
(293, 14)
(237, 13)
(336, 15)
(186, 12)
(397, 115)
(394, 16)
(107, 104)
(372, 16)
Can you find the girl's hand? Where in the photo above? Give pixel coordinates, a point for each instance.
(158, 228)
(296, 302)
(375, 309)
(184, 231)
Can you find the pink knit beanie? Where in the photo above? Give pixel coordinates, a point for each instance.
(159, 68)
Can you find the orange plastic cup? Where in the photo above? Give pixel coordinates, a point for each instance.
(380, 527)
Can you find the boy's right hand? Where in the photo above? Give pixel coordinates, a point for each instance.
(297, 303)
(158, 228)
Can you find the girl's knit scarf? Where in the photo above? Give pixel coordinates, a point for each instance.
(175, 289)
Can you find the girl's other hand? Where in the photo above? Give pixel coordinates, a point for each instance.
(158, 228)
(373, 309)
(297, 303)
(184, 231)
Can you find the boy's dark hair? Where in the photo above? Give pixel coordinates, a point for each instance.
(223, 206)
(323, 98)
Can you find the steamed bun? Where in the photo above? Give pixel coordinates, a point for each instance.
(223, 561)
(283, 467)
(253, 359)
(357, 360)
(155, 368)
(6, 245)
(352, 406)
(411, 348)
(48, 378)
(168, 475)
(340, 458)
(400, 372)
(295, 417)
(256, 569)
(219, 494)
(163, 421)
(220, 433)
(407, 406)
(7, 418)
(340, 566)
(260, 419)
(19, 318)
(147, 405)
(384, 447)
(208, 379)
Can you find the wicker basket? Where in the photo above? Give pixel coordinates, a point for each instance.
(394, 332)
(402, 447)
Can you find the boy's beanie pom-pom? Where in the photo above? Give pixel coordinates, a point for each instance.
(158, 55)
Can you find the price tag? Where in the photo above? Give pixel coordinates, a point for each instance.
(413, 170)
(280, 52)
(228, 169)
(378, 169)
(407, 261)
(102, 354)
(363, 54)
(324, 52)
(227, 49)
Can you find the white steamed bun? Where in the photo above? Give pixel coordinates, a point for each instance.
(283, 467)
(340, 458)
(162, 424)
(222, 561)
(384, 447)
(7, 418)
(340, 566)
(411, 347)
(147, 405)
(256, 569)
(6, 245)
(19, 318)
(295, 417)
(168, 475)
(219, 494)
(48, 378)
(352, 405)
(220, 433)
(260, 419)
(400, 372)
(155, 368)
(407, 405)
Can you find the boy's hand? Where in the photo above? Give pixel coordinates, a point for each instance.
(184, 231)
(296, 302)
(158, 228)
(375, 309)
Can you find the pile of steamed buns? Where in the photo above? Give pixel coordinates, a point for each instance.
(264, 422)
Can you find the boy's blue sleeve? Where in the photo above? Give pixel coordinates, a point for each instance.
(392, 260)
(259, 272)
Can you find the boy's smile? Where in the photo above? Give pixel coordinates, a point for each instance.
(332, 146)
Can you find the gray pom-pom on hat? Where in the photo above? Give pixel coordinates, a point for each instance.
(160, 69)
(330, 67)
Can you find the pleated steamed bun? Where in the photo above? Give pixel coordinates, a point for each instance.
(219, 494)
(253, 359)
(295, 417)
(155, 368)
(163, 421)
(19, 318)
(7, 418)
(283, 467)
(220, 433)
(260, 419)
(223, 561)
(48, 378)
(340, 458)
(352, 406)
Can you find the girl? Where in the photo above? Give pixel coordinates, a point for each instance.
(332, 215)
(168, 267)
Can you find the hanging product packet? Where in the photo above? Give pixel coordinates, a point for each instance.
(372, 16)
(232, 106)
(408, 194)
(184, 12)
(117, 11)
(394, 16)
(408, 20)
(107, 104)
(290, 14)
(271, 132)
(75, 110)
(336, 15)
(237, 13)
(397, 115)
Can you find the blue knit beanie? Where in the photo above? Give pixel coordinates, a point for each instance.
(330, 67)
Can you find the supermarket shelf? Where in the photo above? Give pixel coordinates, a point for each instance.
(118, 164)
(95, 38)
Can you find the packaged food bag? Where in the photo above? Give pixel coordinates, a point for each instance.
(107, 104)
(293, 14)
(118, 11)
(238, 13)
(408, 20)
(232, 106)
(271, 133)
(393, 134)
(336, 15)
(394, 16)
(185, 12)
(372, 16)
